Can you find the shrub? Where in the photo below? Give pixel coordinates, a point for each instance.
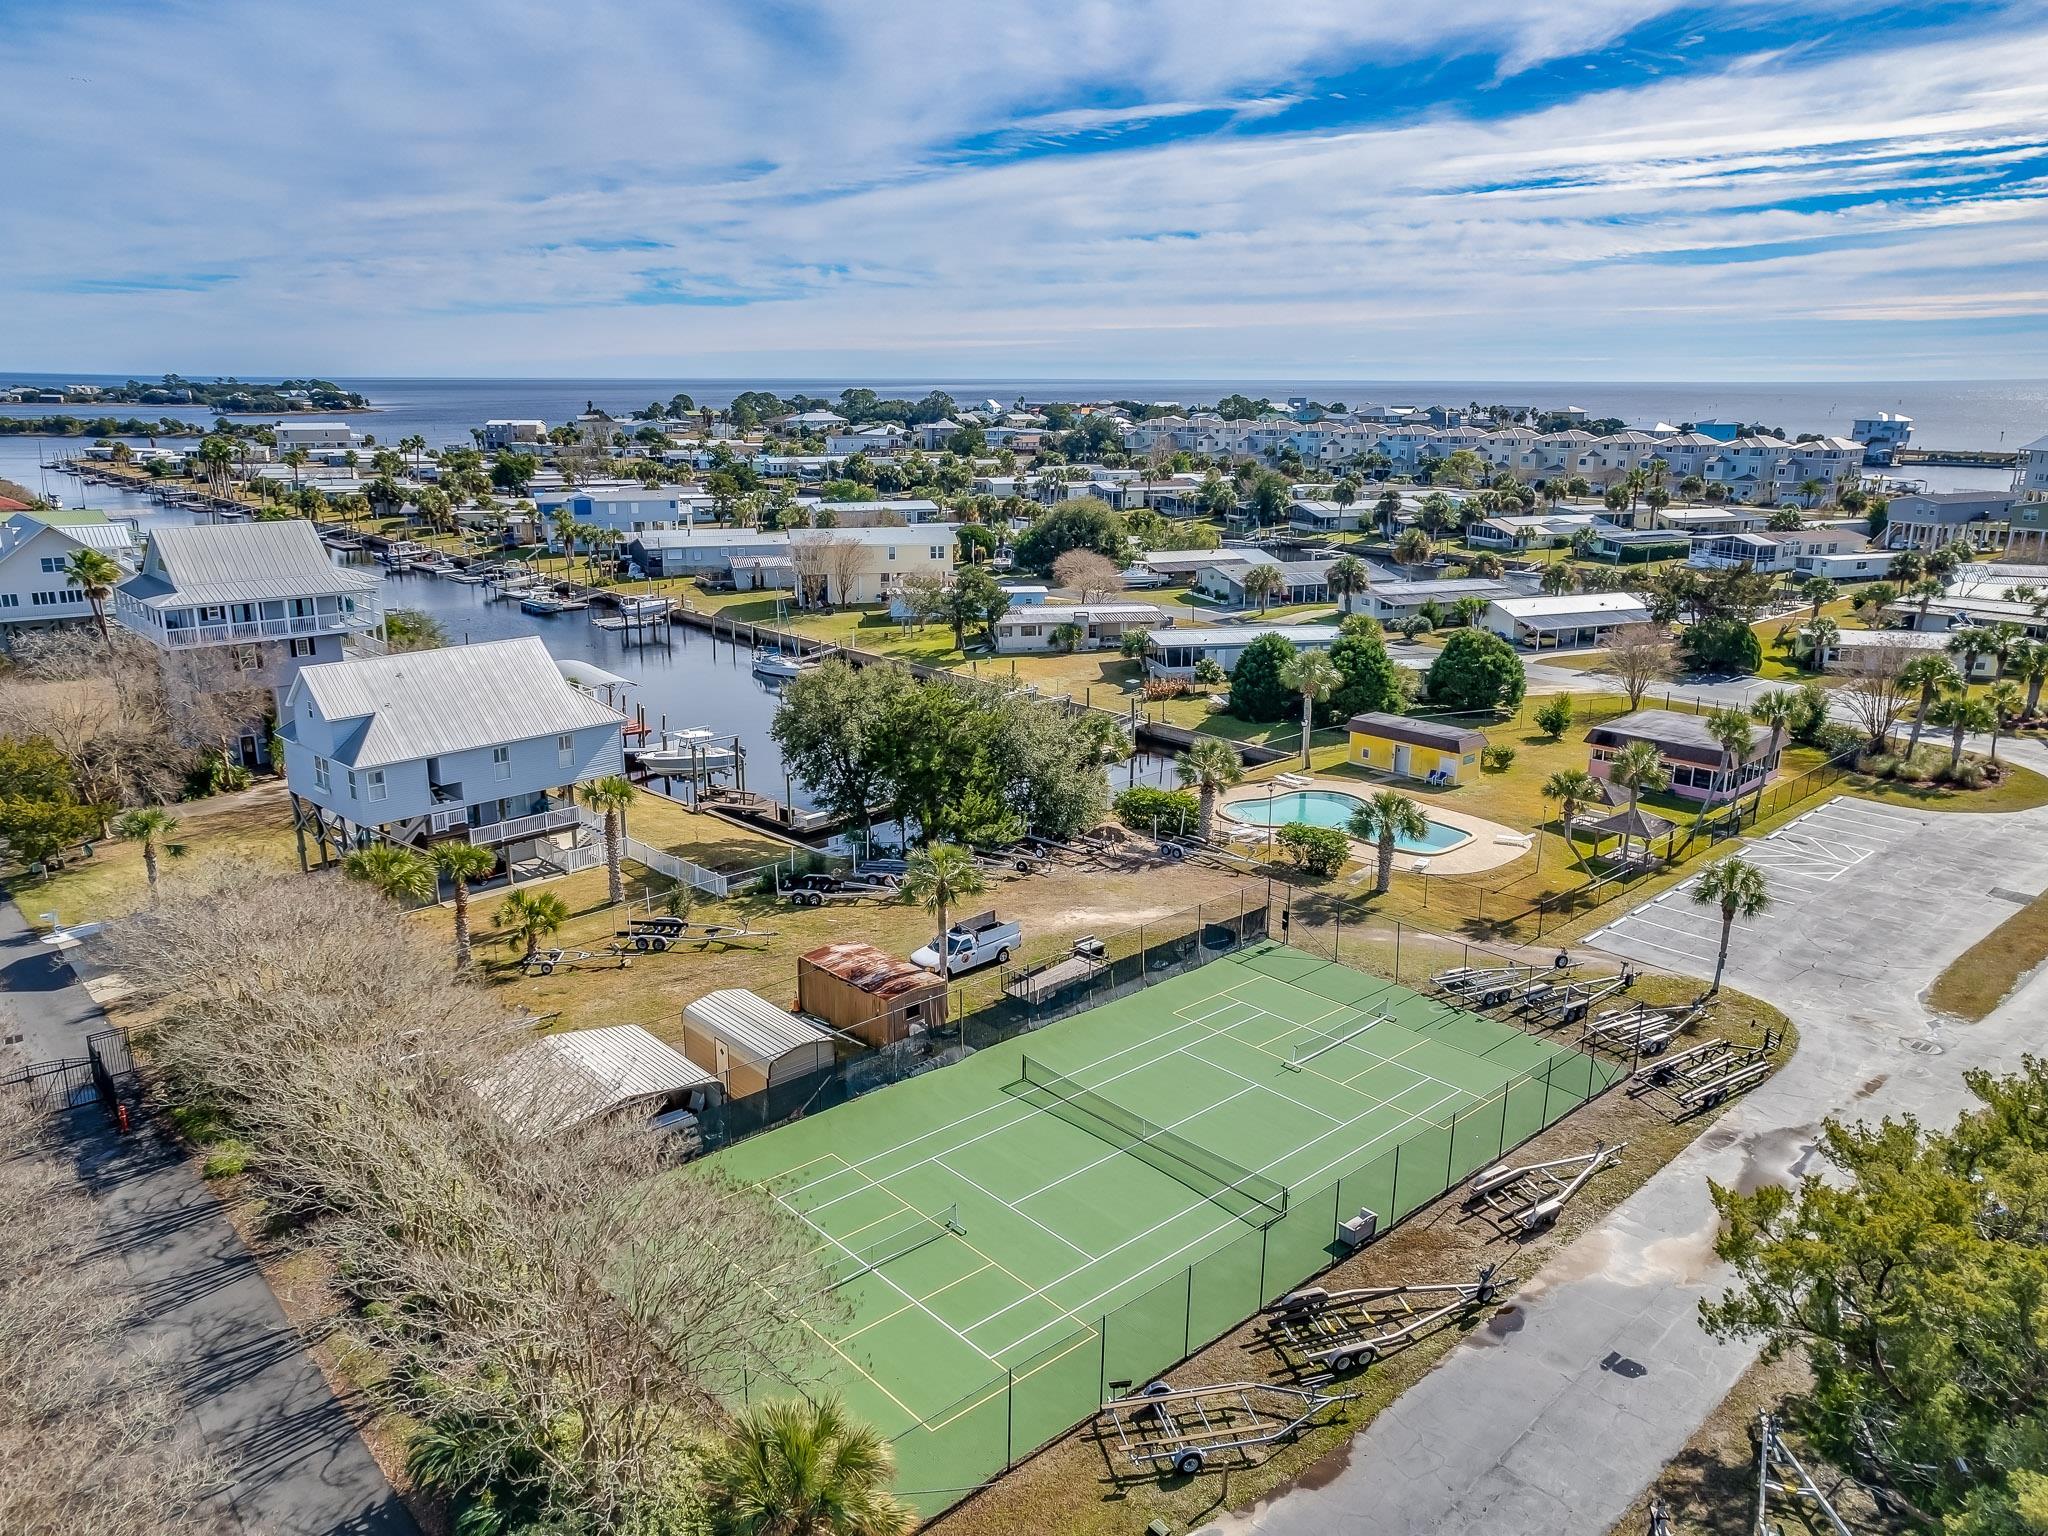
(1174, 812)
(1968, 774)
(1209, 672)
(1317, 850)
(1163, 687)
(1477, 670)
(1497, 759)
(1721, 645)
(227, 1159)
(1134, 642)
(1256, 692)
(1555, 718)
(1835, 738)
(1371, 680)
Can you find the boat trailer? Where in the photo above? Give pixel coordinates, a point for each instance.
(1705, 1075)
(1569, 1002)
(1179, 1429)
(1527, 1197)
(1488, 986)
(545, 962)
(1339, 1331)
(1640, 1029)
(660, 933)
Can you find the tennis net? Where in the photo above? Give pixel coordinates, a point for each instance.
(1321, 1042)
(906, 1236)
(1207, 1173)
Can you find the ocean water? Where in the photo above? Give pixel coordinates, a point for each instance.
(1984, 414)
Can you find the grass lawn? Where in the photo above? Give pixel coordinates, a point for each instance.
(707, 840)
(1985, 974)
(252, 827)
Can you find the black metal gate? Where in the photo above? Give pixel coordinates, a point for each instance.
(98, 1077)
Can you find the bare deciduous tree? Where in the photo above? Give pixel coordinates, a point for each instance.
(1091, 575)
(577, 1303)
(1639, 655)
(1876, 690)
(93, 1438)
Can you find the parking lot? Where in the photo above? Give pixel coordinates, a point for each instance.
(1824, 861)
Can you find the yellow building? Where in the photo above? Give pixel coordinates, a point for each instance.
(1415, 749)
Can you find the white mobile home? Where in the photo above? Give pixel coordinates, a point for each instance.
(1178, 651)
(1036, 626)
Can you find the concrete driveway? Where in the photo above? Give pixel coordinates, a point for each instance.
(1552, 1419)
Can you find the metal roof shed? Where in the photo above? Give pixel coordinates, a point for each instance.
(748, 1043)
(562, 1080)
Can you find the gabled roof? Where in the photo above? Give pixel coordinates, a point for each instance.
(427, 703)
(874, 971)
(241, 563)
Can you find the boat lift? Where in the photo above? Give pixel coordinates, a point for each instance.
(1569, 1002)
(1180, 1429)
(1527, 1197)
(1705, 1075)
(1339, 1331)
(1640, 1029)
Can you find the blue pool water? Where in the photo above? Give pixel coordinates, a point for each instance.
(1327, 808)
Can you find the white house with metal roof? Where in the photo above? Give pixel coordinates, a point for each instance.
(1034, 626)
(1563, 621)
(1178, 651)
(36, 549)
(485, 742)
(265, 599)
(1393, 601)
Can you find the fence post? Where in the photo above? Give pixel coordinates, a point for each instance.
(1395, 1214)
(1010, 1419)
(1337, 942)
(1397, 950)
(1506, 1089)
(1548, 1068)
(1336, 1207)
(1187, 1320)
(1450, 1151)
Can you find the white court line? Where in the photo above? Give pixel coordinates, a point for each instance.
(1211, 1233)
(1233, 1072)
(977, 1184)
(886, 1280)
(1074, 1173)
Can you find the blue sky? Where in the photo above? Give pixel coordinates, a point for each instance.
(1597, 189)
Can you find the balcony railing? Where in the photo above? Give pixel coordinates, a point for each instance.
(237, 631)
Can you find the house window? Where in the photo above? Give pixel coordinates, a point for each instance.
(892, 551)
(302, 646)
(320, 780)
(10, 600)
(565, 751)
(501, 762)
(53, 565)
(376, 779)
(351, 783)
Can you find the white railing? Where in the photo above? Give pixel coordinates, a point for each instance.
(563, 818)
(678, 869)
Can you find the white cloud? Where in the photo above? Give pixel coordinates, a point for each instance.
(462, 189)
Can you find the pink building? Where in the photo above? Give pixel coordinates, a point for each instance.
(1700, 768)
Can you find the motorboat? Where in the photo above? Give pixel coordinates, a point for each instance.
(780, 666)
(541, 603)
(693, 751)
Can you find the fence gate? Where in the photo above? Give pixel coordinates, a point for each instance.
(95, 1078)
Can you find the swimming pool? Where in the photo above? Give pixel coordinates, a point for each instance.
(1328, 808)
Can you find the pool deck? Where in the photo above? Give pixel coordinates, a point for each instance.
(1490, 846)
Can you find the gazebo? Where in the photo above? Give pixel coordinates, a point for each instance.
(1631, 822)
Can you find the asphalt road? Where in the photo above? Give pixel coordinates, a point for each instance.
(1554, 1420)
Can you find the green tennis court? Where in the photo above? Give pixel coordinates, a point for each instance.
(1090, 1201)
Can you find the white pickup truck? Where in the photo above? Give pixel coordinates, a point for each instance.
(971, 942)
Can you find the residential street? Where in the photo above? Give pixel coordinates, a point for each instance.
(1552, 1423)
(298, 1466)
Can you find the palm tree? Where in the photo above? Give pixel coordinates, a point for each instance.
(463, 862)
(1777, 709)
(1315, 677)
(1347, 575)
(1209, 766)
(1573, 789)
(1815, 637)
(1926, 590)
(2006, 704)
(1969, 644)
(1635, 768)
(1740, 890)
(397, 872)
(938, 875)
(2004, 636)
(1386, 817)
(1261, 582)
(612, 795)
(1736, 734)
(2029, 664)
(564, 523)
(1556, 579)
(1414, 547)
(531, 916)
(1818, 591)
(1872, 600)
(96, 575)
(1931, 674)
(149, 825)
(1959, 714)
(797, 1467)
